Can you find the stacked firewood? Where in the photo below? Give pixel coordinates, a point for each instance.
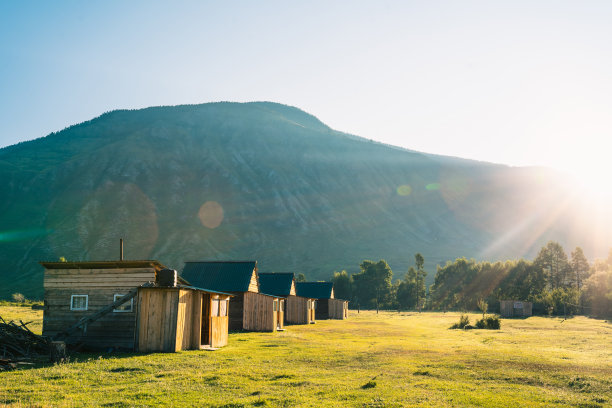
(18, 345)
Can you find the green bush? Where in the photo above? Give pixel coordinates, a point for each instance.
(489, 322)
(464, 322)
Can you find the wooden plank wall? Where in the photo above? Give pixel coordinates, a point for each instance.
(337, 309)
(258, 312)
(219, 326)
(157, 319)
(253, 285)
(116, 329)
(297, 311)
(506, 308)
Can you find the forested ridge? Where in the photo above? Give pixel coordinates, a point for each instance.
(554, 282)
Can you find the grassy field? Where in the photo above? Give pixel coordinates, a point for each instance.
(370, 360)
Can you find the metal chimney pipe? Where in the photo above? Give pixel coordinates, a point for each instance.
(121, 249)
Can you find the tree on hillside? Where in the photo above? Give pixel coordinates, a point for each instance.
(372, 286)
(580, 267)
(342, 285)
(553, 261)
(300, 277)
(421, 290)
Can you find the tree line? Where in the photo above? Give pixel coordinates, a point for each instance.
(554, 282)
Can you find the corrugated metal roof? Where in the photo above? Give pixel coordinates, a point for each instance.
(222, 276)
(278, 284)
(314, 290)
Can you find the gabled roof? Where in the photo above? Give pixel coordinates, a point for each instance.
(314, 290)
(223, 276)
(278, 284)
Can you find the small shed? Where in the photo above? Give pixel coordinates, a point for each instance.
(134, 305)
(515, 308)
(181, 318)
(327, 306)
(250, 309)
(298, 309)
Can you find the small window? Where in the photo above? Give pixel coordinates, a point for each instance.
(282, 305)
(223, 308)
(215, 308)
(79, 302)
(275, 305)
(124, 308)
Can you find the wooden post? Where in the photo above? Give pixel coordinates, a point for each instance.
(57, 352)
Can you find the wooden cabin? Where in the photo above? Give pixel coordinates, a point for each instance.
(98, 304)
(298, 309)
(515, 308)
(250, 309)
(327, 306)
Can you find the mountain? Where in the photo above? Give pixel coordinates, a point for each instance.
(268, 182)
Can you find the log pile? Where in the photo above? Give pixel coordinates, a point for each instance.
(18, 345)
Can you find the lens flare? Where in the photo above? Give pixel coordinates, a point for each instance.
(404, 190)
(9, 236)
(432, 186)
(211, 214)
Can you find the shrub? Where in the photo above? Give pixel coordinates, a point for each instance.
(19, 298)
(464, 321)
(489, 322)
(493, 323)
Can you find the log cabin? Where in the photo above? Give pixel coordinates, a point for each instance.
(298, 309)
(131, 305)
(250, 309)
(327, 306)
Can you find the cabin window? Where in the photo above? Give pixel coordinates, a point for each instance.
(215, 308)
(282, 305)
(275, 305)
(79, 302)
(222, 307)
(124, 308)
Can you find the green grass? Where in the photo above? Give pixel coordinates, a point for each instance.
(370, 360)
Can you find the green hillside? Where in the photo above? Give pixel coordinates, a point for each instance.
(262, 181)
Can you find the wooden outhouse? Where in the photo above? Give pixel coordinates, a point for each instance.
(249, 309)
(298, 310)
(515, 308)
(181, 318)
(327, 306)
(133, 305)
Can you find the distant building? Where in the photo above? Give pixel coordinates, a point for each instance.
(250, 309)
(515, 308)
(298, 309)
(327, 306)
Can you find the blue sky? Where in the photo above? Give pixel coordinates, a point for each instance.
(516, 82)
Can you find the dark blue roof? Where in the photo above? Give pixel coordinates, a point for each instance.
(314, 290)
(278, 284)
(222, 276)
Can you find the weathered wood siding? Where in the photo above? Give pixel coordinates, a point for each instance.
(157, 320)
(292, 290)
(508, 309)
(253, 285)
(116, 329)
(298, 311)
(338, 309)
(181, 323)
(258, 312)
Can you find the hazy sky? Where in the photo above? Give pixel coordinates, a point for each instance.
(516, 82)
